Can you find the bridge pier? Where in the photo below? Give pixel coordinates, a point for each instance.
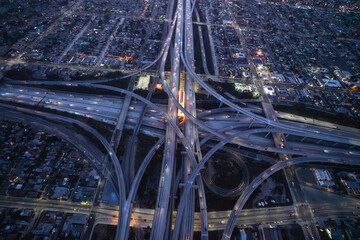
(251, 123)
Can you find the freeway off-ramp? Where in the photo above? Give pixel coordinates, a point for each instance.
(244, 126)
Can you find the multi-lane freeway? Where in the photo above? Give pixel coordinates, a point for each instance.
(243, 123)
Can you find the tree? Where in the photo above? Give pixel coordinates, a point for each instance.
(28, 236)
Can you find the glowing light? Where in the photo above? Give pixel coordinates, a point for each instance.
(182, 103)
(159, 86)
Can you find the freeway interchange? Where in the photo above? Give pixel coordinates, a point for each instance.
(244, 125)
